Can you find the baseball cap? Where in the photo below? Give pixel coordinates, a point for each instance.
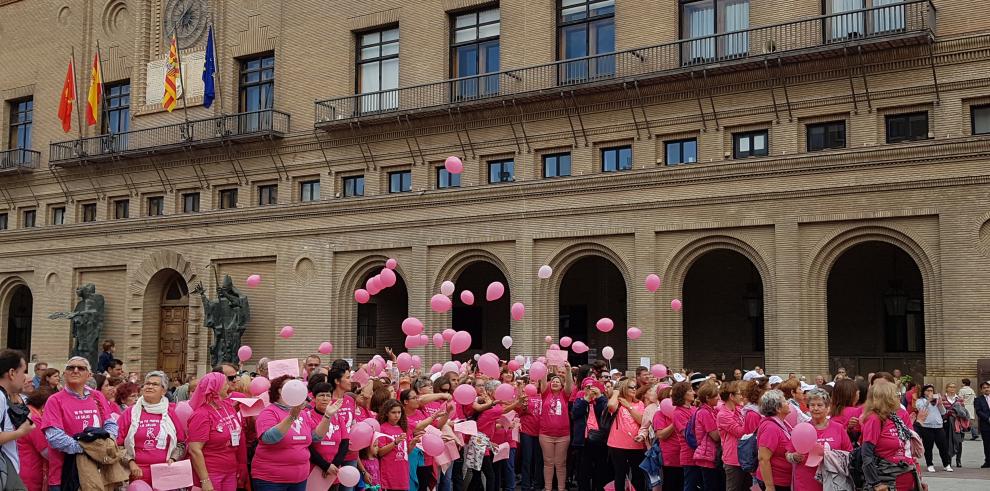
(697, 378)
(592, 381)
(751, 375)
(775, 379)
(678, 377)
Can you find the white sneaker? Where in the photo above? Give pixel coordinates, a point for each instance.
(948, 468)
(931, 468)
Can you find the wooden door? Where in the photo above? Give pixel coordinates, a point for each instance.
(172, 340)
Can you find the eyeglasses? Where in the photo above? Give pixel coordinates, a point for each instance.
(231, 378)
(75, 368)
(631, 387)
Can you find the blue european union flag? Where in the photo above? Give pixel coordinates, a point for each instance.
(209, 68)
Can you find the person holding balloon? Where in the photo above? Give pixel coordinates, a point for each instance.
(327, 452)
(392, 446)
(663, 427)
(162, 434)
(555, 426)
(825, 432)
(215, 437)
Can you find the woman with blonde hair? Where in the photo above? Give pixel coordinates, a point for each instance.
(625, 451)
(885, 437)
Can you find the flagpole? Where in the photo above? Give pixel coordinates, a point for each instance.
(182, 80)
(216, 71)
(75, 96)
(103, 91)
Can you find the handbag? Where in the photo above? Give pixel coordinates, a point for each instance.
(10, 480)
(604, 425)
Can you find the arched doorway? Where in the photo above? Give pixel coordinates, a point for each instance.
(487, 321)
(379, 322)
(173, 321)
(19, 320)
(723, 318)
(876, 311)
(593, 288)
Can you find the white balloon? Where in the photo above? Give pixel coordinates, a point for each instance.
(476, 357)
(507, 341)
(544, 272)
(447, 288)
(608, 352)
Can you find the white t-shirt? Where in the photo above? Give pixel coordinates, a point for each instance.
(9, 448)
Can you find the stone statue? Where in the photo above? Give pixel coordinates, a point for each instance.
(227, 317)
(87, 322)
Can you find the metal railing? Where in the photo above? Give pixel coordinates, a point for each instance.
(267, 122)
(899, 19)
(17, 159)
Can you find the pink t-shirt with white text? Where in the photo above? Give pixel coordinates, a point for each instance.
(555, 418)
(836, 438)
(330, 444)
(530, 417)
(65, 410)
(146, 451)
(394, 466)
(213, 427)
(286, 461)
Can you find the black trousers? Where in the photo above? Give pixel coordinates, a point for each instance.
(673, 478)
(985, 433)
(592, 472)
(936, 437)
(623, 461)
(472, 481)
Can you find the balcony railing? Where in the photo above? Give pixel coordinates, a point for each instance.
(18, 159)
(902, 21)
(267, 123)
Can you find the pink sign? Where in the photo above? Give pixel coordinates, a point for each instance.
(277, 368)
(555, 357)
(250, 406)
(469, 428)
(172, 476)
(502, 453)
(316, 481)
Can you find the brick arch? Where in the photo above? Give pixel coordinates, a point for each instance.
(345, 310)
(457, 262)
(146, 287)
(7, 288)
(830, 249)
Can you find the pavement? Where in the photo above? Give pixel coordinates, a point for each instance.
(969, 478)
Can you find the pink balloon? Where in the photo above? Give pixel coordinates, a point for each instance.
(376, 283)
(537, 370)
(464, 394)
(412, 326)
(424, 340)
(244, 353)
(513, 365)
(450, 366)
(495, 291)
(138, 485)
(676, 305)
(579, 347)
(259, 385)
(286, 332)
(391, 263)
(460, 342)
(548, 340)
(253, 280)
(436, 368)
(326, 348)
(554, 346)
(453, 165)
(361, 435)
(667, 407)
(447, 288)
(488, 364)
(417, 362)
(348, 476)
(411, 342)
(518, 310)
(433, 445)
(608, 353)
(374, 424)
(652, 282)
(542, 359)
(294, 393)
(361, 295)
(520, 359)
(659, 370)
(440, 303)
(448, 334)
(372, 287)
(803, 437)
(438, 340)
(566, 341)
(467, 297)
(505, 392)
(388, 277)
(605, 324)
(404, 362)
(634, 333)
(792, 419)
(530, 390)
(184, 411)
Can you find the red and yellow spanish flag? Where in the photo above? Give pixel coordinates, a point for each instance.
(95, 92)
(171, 76)
(68, 98)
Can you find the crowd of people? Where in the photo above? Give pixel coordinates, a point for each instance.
(459, 427)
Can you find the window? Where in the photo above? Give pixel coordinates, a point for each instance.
(980, 119)
(190, 202)
(400, 181)
(309, 191)
(846, 19)
(118, 116)
(228, 199)
(89, 212)
(586, 29)
(58, 215)
(21, 117)
(353, 186)
(474, 47)
(680, 151)
(3, 221)
(121, 208)
(907, 127)
(156, 206)
(616, 159)
(378, 70)
(501, 171)
(30, 218)
(557, 165)
(446, 179)
(750, 144)
(717, 19)
(822, 136)
(267, 195)
(367, 328)
(257, 89)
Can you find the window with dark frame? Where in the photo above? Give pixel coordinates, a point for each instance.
(30, 218)
(501, 171)
(616, 159)
(228, 199)
(557, 164)
(89, 212)
(378, 69)
(822, 136)
(750, 144)
(714, 21)
(3, 221)
(309, 190)
(683, 151)
(367, 328)
(121, 209)
(447, 180)
(268, 194)
(979, 117)
(907, 127)
(353, 186)
(118, 108)
(190, 202)
(58, 215)
(21, 119)
(400, 181)
(847, 21)
(585, 28)
(156, 206)
(256, 93)
(474, 52)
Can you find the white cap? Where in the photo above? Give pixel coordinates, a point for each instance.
(750, 375)
(806, 387)
(831, 384)
(613, 371)
(678, 377)
(775, 379)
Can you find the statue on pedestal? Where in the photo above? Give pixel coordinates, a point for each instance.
(87, 323)
(227, 317)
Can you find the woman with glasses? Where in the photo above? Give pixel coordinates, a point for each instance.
(323, 453)
(150, 431)
(70, 411)
(829, 432)
(217, 446)
(626, 453)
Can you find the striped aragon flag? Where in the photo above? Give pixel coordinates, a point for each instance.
(172, 76)
(95, 92)
(68, 98)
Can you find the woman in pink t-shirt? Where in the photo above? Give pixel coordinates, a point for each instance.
(150, 431)
(707, 436)
(216, 441)
(393, 445)
(626, 453)
(555, 425)
(663, 426)
(730, 430)
(829, 432)
(683, 396)
(774, 441)
(326, 451)
(845, 397)
(531, 456)
(887, 437)
(32, 449)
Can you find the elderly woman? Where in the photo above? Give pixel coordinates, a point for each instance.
(885, 437)
(774, 443)
(70, 411)
(829, 432)
(216, 442)
(150, 431)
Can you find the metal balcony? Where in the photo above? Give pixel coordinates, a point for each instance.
(17, 160)
(240, 127)
(891, 25)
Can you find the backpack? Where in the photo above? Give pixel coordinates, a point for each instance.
(604, 424)
(748, 450)
(689, 436)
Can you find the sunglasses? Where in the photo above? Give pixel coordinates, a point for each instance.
(231, 378)
(75, 368)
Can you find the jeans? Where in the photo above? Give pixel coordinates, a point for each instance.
(262, 485)
(445, 483)
(530, 462)
(692, 477)
(508, 475)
